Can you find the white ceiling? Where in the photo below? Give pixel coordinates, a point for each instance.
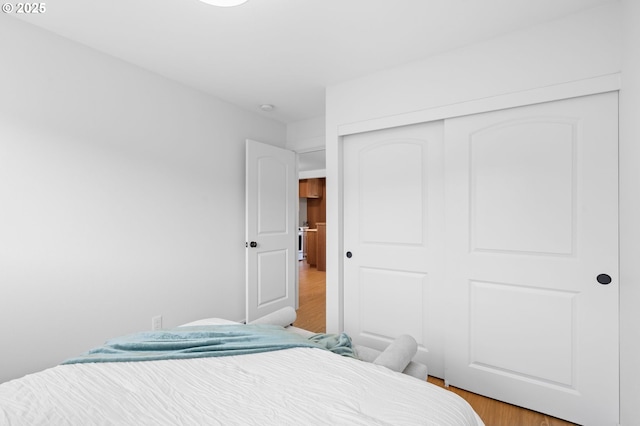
(285, 52)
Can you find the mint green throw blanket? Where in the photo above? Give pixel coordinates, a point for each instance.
(209, 341)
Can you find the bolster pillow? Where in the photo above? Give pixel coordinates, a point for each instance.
(398, 354)
(282, 317)
(417, 370)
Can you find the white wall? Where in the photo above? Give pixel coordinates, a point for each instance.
(306, 135)
(586, 45)
(629, 214)
(121, 198)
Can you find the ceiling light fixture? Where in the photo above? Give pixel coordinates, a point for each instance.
(224, 3)
(267, 107)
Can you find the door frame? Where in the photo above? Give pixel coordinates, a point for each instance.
(308, 174)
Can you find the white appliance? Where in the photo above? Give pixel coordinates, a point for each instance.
(301, 242)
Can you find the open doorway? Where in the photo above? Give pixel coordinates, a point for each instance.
(311, 313)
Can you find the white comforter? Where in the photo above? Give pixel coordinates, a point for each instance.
(301, 386)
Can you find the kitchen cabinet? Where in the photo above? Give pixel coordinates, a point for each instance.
(321, 247)
(316, 207)
(310, 188)
(310, 246)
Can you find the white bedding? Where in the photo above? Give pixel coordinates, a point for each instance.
(302, 386)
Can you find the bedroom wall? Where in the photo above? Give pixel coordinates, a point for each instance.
(121, 198)
(596, 42)
(306, 135)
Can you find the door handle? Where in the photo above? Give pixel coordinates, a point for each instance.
(349, 254)
(604, 279)
(252, 244)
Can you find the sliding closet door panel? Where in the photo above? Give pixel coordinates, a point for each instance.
(532, 227)
(394, 224)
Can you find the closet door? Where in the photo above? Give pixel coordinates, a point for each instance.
(393, 238)
(532, 257)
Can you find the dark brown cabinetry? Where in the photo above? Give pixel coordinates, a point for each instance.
(311, 188)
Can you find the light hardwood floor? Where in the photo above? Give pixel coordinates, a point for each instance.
(312, 313)
(312, 317)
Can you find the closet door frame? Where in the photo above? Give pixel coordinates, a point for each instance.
(335, 295)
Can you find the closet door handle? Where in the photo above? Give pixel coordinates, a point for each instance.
(604, 279)
(349, 254)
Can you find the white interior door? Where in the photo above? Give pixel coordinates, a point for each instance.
(271, 229)
(393, 236)
(532, 237)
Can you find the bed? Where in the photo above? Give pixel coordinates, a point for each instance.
(289, 386)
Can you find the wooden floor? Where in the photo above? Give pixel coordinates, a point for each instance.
(312, 313)
(312, 316)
